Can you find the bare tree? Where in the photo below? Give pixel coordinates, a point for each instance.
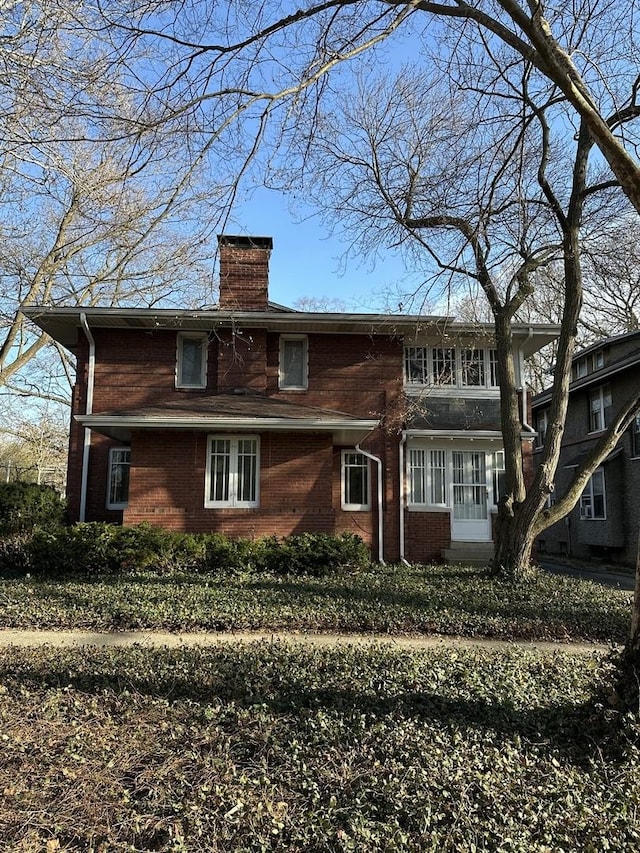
(93, 211)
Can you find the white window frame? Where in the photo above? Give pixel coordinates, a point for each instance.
(635, 437)
(233, 473)
(588, 495)
(363, 464)
(496, 459)
(423, 360)
(282, 384)
(542, 426)
(112, 451)
(598, 396)
(191, 336)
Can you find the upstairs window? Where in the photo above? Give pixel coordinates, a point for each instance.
(191, 365)
(355, 481)
(473, 369)
(294, 363)
(587, 364)
(593, 500)
(600, 408)
(450, 367)
(635, 436)
(119, 466)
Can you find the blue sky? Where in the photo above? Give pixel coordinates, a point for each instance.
(307, 262)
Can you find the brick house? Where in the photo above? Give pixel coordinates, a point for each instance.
(605, 522)
(253, 419)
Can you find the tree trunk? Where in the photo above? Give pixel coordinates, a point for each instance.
(514, 543)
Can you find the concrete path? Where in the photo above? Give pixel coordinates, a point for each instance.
(158, 639)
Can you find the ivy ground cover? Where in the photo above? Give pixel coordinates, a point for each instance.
(275, 748)
(389, 600)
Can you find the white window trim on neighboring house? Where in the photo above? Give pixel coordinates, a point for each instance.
(114, 464)
(635, 437)
(587, 499)
(444, 368)
(598, 420)
(231, 485)
(351, 459)
(542, 425)
(203, 340)
(283, 384)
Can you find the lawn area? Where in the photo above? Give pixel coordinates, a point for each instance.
(394, 600)
(270, 747)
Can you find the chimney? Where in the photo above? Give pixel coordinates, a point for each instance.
(244, 272)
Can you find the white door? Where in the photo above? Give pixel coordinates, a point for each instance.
(470, 521)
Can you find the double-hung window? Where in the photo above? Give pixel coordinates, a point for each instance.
(600, 408)
(635, 436)
(191, 362)
(593, 502)
(293, 373)
(355, 481)
(232, 478)
(542, 425)
(119, 465)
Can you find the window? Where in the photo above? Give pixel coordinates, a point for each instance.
(587, 364)
(493, 368)
(355, 481)
(600, 408)
(294, 362)
(191, 366)
(417, 476)
(473, 367)
(427, 476)
(416, 370)
(635, 436)
(542, 425)
(232, 471)
(119, 465)
(497, 475)
(592, 502)
(443, 366)
(447, 366)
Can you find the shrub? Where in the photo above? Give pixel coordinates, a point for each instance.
(24, 506)
(15, 555)
(314, 553)
(95, 549)
(88, 549)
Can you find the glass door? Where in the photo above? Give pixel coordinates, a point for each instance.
(470, 518)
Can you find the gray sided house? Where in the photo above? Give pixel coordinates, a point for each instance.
(605, 522)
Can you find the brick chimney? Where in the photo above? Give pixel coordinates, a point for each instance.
(244, 272)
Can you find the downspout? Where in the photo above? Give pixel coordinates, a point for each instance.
(378, 462)
(89, 408)
(523, 382)
(403, 442)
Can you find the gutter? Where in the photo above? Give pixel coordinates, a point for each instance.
(378, 462)
(86, 445)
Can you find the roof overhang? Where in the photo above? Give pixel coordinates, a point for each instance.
(120, 427)
(64, 324)
(465, 434)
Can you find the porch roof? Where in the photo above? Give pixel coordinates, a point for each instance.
(239, 410)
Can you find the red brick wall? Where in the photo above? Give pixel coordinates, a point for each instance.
(168, 480)
(427, 535)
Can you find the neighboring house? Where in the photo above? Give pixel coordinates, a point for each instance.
(605, 522)
(252, 419)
